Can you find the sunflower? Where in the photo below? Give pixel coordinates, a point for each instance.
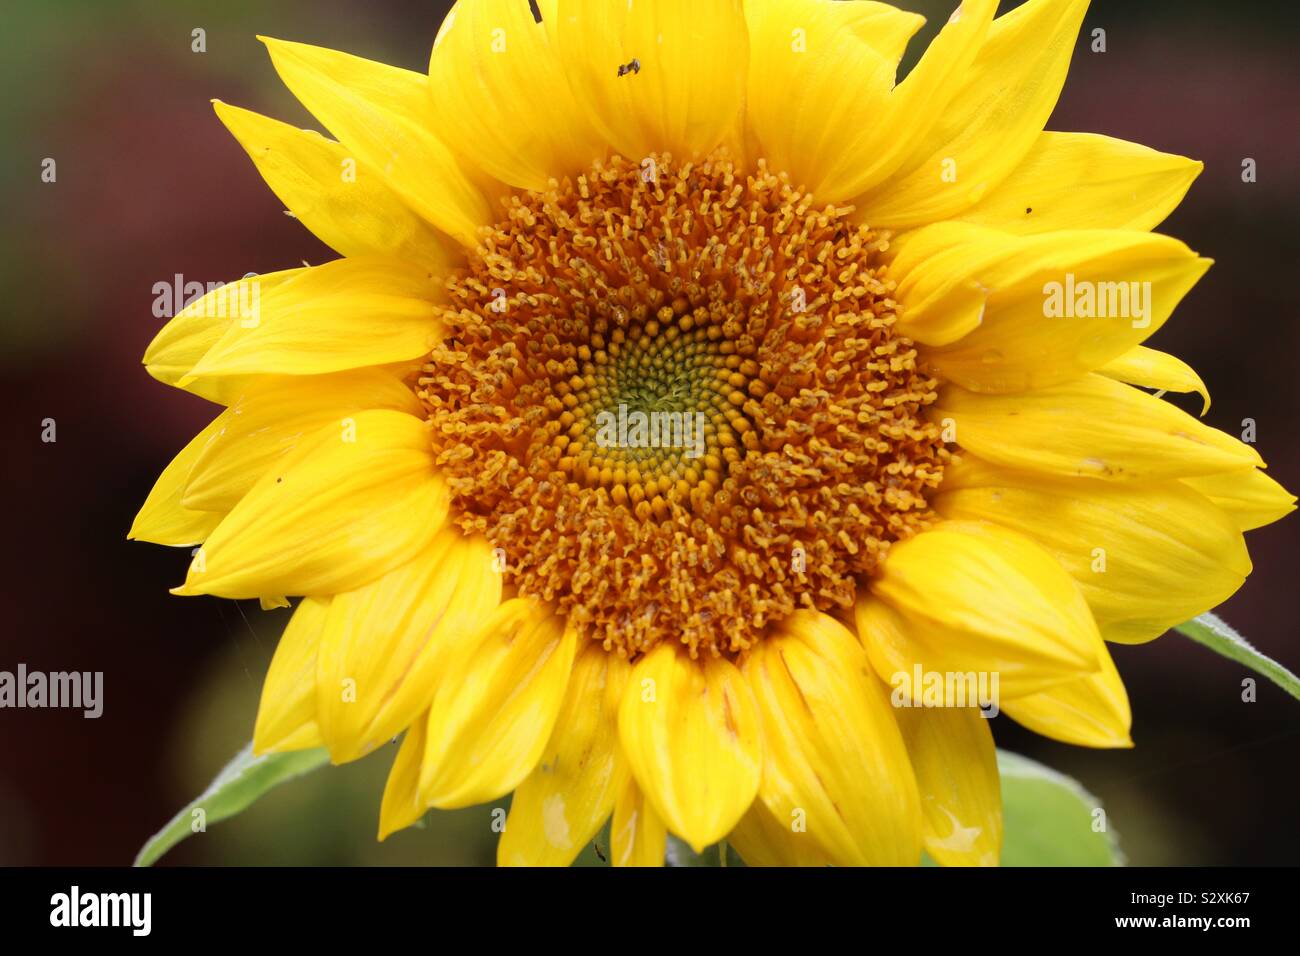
(887, 337)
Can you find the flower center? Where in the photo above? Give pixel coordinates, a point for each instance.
(675, 399)
(657, 411)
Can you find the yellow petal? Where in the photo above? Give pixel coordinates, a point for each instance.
(273, 601)
(834, 761)
(1052, 306)
(1251, 498)
(956, 769)
(987, 127)
(874, 137)
(893, 646)
(382, 116)
(162, 518)
(487, 54)
(941, 304)
(272, 416)
(286, 717)
(814, 76)
(979, 597)
(938, 270)
(496, 704)
(1086, 181)
(343, 508)
(1092, 427)
(195, 329)
(344, 314)
(1146, 556)
(763, 840)
(1152, 369)
(402, 804)
(690, 87)
(571, 792)
(1092, 711)
(886, 28)
(690, 731)
(347, 206)
(637, 836)
(384, 645)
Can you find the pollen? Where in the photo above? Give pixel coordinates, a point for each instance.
(675, 398)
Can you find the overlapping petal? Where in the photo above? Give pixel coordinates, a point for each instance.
(971, 596)
(402, 804)
(497, 702)
(570, 794)
(286, 716)
(1085, 181)
(271, 417)
(343, 508)
(952, 754)
(384, 646)
(1092, 711)
(163, 519)
(763, 840)
(690, 730)
(1250, 497)
(687, 92)
(818, 70)
(345, 314)
(1091, 427)
(195, 329)
(1154, 369)
(1006, 313)
(990, 123)
(381, 115)
(347, 205)
(637, 834)
(1146, 555)
(835, 768)
(486, 53)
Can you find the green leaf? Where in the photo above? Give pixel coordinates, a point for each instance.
(238, 785)
(1222, 638)
(1048, 819)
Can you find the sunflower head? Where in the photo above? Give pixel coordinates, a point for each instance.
(689, 390)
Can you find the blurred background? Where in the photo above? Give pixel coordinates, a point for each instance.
(149, 184)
